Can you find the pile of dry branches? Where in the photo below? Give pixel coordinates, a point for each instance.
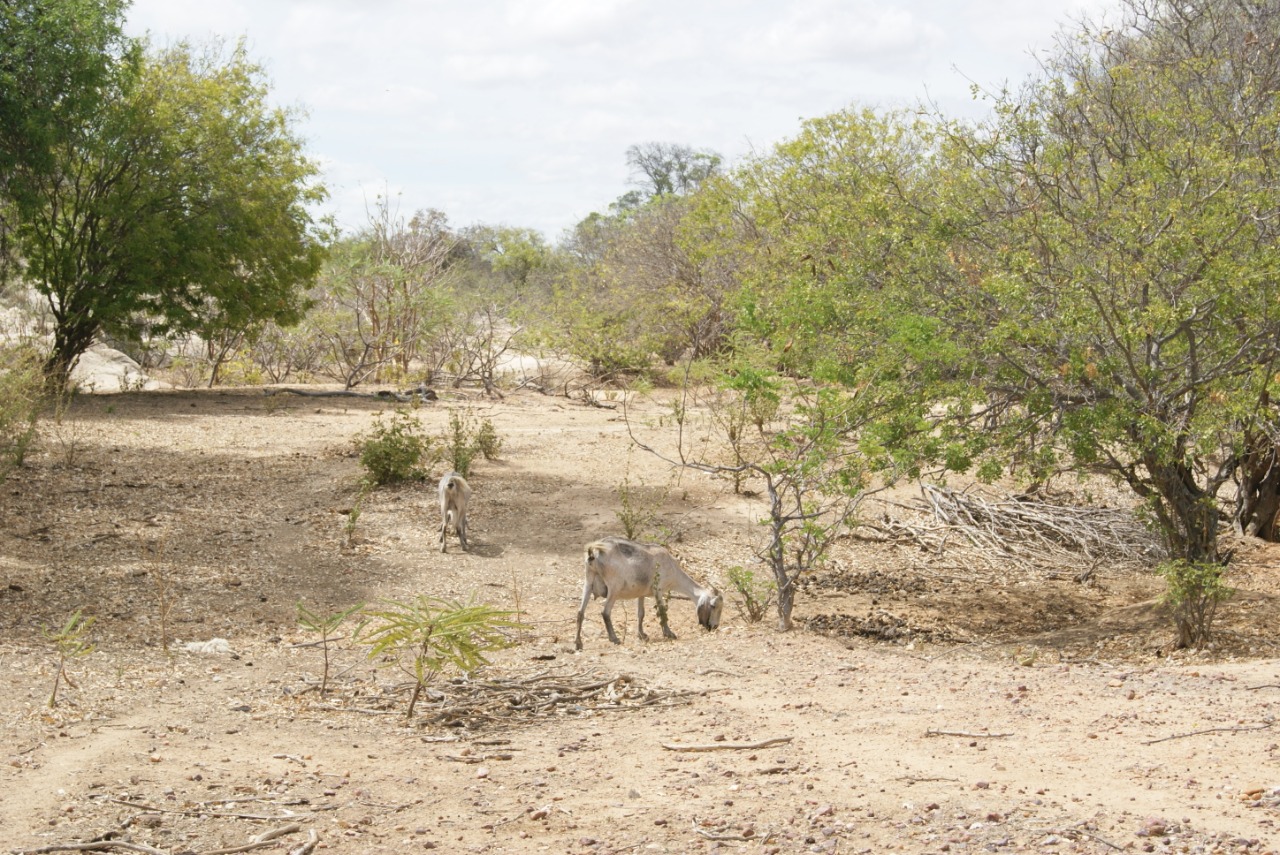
(1037, 531)
(477, 701)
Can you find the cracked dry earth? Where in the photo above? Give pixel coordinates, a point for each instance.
(991, 708)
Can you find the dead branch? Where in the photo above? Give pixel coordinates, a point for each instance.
(199, 811)
(483, 758)
(1014, 525)
(1262, 726)
(472, 701)
(93, 846)
(1076, 829)
(727, 746)
(966, 734)
(709, 835)
(911, 780)
(309, 846)
(258, 841)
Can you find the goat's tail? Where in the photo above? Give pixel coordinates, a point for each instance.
(599, 589)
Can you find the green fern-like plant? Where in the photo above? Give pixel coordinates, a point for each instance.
(325, 625)
(429, 635)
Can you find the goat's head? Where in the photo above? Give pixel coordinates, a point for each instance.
(709, 608)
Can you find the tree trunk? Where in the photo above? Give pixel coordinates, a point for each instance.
(69, 341)
(786, 601)
(1258, 495)
(1187, 513)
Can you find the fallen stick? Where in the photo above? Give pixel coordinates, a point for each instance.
(200, 811)
(1207, 730)
(727, 746)
(308, 847)
(966, 734)
(95, 846)
(258, 841)
(729, 837)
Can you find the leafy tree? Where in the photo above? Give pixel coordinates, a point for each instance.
(510, 259)
(813, 473)
(1117, 281)
(383, 293)
(59, 60)
(180, 202)
(669, 169)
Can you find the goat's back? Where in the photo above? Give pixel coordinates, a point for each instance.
(626, 568)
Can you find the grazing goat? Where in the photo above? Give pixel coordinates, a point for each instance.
(621, 569)
(455, 492)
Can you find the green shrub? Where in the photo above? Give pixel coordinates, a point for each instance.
(1193, 593)
(21, 396)
(464, 439)
(488, 441)
(395, 450)
(755, 596)
(638, 507)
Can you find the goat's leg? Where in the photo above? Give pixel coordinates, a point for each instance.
(640, 620)
(662, 616)
(582, 610)
(461, 527)
(444, 528)
(608, 620)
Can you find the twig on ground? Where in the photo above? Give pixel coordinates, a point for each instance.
(483, 758)
(966, 734)
(709, 835)
(727, 746)
(201, 811)
(258, 841)
(94, 846)
(309, 846)
(911, 779)
(1263, 726)
(1076, 829)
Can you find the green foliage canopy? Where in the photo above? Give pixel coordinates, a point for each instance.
(182, 198)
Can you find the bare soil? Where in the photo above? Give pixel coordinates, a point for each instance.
(921, 706)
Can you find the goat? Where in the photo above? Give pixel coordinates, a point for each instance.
(621, 569)
(455, 493)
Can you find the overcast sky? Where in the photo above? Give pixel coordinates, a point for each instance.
(519, 112)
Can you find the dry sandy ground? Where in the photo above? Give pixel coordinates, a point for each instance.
(992, 708)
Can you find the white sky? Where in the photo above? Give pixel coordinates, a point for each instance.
(519, 112)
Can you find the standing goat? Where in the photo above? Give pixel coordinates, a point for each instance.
(455, 493)
(621, 569)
